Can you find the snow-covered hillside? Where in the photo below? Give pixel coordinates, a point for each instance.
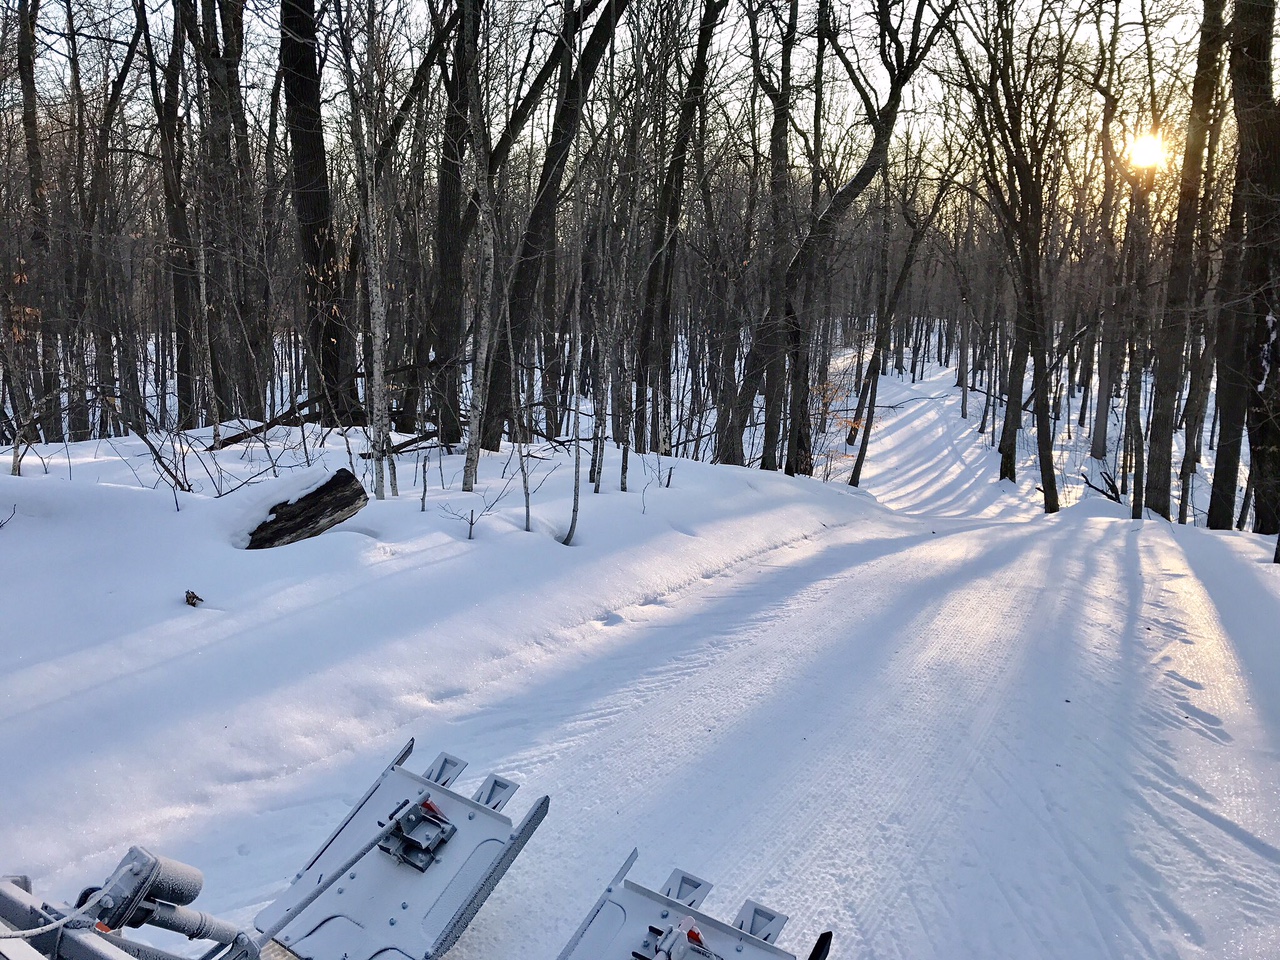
(921, 714)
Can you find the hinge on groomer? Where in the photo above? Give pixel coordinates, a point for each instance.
(418, 832)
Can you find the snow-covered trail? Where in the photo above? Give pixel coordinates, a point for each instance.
(925, 461)
(952, 730)
(963, 744)
(969, 738)
(993, 753)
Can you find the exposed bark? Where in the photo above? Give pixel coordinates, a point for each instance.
(338, 498)
(1258, 122)
(1232, 392)
(328, 335)
(1170, 343)
(32, 279)
(485, 258)
(1017, 94)
(180, 255)
(446, 328)
(360, 113)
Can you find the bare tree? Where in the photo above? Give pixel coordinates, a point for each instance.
(1258, 122)
(328, 334)
(1017, 94)
(1181, 298)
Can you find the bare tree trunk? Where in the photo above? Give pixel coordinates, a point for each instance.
(538, 227)
(370, 245)
(447, 329)
(485, 254)
(328, 337)
(655, 334)
(180, 258)
(1013, 399)
(1180, 300)
(1232, 394)
(773, 327)
(1258, 122)
(36, 276)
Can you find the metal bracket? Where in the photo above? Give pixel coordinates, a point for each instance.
(445, 769)
(686, 888)
(418, 832)
(759, 921)
(494, 792)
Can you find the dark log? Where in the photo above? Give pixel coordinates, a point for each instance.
(338, 498)
(289, 417)
(408, 446)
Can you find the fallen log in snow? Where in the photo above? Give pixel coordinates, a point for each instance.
(340, 497)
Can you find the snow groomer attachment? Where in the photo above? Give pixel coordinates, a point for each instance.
(144, 889)
(631, 922)
(399, 879)
(405, 872)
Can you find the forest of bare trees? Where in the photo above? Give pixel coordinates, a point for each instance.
(464, 220)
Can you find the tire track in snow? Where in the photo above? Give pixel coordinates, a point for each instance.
(838, 745)
(263, 776)
(1199, 724)
(893, 788)
(906, 794)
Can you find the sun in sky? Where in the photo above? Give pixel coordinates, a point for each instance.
(1147, 151)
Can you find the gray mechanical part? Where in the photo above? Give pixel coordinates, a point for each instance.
(436, 855)
(142, 882)
(75, 940)
(399, 879)
(418, 831)
(192, 924)
(445, 769)
(686, 888)
(631, 922)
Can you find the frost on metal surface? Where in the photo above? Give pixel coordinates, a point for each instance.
(413, 892)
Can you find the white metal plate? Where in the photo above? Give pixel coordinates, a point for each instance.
(382, 904)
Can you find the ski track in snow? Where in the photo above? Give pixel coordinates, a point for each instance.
(895, 807)
(961, 732)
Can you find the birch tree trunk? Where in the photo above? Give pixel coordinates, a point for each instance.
(485, 254)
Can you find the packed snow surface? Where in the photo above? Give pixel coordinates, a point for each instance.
(922, 714)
